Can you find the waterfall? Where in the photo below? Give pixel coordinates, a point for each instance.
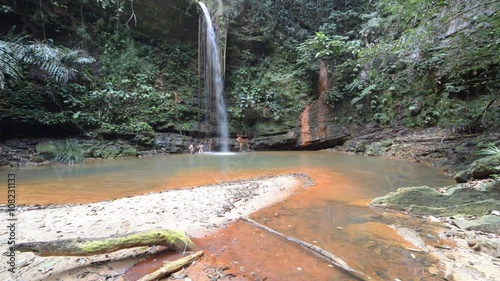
(213, 77)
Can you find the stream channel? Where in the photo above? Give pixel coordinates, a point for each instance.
(332, 214)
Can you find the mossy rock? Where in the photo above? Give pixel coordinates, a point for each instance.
(424, 200)
(96, 151)
(144, 139)
(462, 176)
(373, 149)
(46, 149)
(386, 143)
(110, 151)
(128, 151)
(4, 163)
(87, 150)
(485, 167)
(37, 159)
(360, 147)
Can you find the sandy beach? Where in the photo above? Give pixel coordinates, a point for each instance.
(198, 211)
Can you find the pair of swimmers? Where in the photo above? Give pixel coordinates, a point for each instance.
(200, 148)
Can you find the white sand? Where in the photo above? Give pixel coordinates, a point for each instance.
(198, 211)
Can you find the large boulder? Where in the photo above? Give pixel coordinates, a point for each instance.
(128, 151)
(172, 142)
(46, 149)
(317, 138)
(462, 176)
(146, 140)
(424, 200)
(110, 151)
(485, 167)
(286, 140)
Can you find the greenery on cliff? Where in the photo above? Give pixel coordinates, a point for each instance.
(127, 67)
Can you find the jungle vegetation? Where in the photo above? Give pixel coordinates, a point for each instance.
(125, 67)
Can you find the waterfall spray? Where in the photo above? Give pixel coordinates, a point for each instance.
(215, 83)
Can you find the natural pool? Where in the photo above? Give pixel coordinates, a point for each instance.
(331, 214)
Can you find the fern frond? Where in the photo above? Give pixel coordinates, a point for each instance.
(56, 62)
(8, 63)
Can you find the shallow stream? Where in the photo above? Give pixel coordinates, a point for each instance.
(332, 214)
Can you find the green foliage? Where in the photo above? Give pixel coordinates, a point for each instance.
(122, 58)
(57, 63)
(271, 90)
(396, 52)
(322, 46)
(69, 152)
(490, 150)
(414, 63)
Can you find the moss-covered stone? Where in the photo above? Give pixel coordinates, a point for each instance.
(462, 176)
(373, 149)
(386, 143)
(46, 149)
(360, 147)
(423, 200)
(96, 151)
(485, 167)
(4, 162)
(144, 139)
(87, 150)
(37, 159)
(128, 151)
(110, 151)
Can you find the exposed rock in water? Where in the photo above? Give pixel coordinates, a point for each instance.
(171, 142)
(286, 140)
(424, 200)
(485, 167)
(293, 139)
(46, 149)
(128, 151)
(411, 236)
(462, 176)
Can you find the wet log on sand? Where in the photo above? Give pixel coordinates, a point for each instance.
(171, 267)
(173, 240)
(315, 249)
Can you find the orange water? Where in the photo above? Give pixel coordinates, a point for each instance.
(332, 214)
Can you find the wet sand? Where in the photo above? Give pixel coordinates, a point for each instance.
(197, 211)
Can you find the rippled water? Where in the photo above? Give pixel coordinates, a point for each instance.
(332, 214)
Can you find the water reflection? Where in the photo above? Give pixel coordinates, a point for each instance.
(332, 214)
(105, 179)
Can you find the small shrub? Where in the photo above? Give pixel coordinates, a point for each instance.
(69, 152)
(490, 150)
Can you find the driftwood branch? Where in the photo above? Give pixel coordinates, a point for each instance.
(315, 249)
(439, 139)
(171, 239)
(483, 114)
(171, 267)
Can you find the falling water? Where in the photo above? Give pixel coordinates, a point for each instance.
(215, 84)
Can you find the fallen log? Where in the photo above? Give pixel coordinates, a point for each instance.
(171, 267)
(171, 239)
(315, 249)
(439, 139)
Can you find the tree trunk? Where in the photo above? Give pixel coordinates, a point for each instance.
(171, 239)
(171, 267)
